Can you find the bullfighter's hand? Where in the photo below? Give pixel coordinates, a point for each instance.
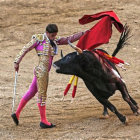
(16, 66)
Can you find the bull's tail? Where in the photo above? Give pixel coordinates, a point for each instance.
(123, 40)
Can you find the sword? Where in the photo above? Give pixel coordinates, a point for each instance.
(16, 74)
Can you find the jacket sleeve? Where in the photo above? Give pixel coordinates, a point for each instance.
(72, 38)
(29, 46)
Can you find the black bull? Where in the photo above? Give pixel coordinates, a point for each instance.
(101, 81)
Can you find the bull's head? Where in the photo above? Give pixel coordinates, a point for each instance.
(72, 63)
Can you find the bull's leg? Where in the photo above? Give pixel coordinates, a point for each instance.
(132, 103)
(105, 112)
(110, 106)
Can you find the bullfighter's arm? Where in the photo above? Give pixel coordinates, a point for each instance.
(29, 46)
(72, 38)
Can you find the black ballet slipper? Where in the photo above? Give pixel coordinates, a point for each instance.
(43, 125)
(14, 117)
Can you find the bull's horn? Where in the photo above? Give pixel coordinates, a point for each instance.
(62, 54)
(75, 47)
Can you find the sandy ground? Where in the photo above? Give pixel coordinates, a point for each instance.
(82, 119)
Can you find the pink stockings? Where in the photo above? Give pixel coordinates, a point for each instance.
(43, 118)
(27, 96)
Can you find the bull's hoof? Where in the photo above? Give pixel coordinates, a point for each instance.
(106, 116)
(126, 121)
(137, 113)
(137, 106)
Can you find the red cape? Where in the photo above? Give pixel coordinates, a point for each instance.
(101, 32)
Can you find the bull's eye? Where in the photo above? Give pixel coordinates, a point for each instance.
(68, 58)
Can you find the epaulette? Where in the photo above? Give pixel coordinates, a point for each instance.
(38, 37)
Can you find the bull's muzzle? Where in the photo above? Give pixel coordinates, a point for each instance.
(56, 67)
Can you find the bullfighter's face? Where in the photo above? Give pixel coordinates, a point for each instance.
(51, 36)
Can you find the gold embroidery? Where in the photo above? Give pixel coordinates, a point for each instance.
(38, 37)
(24, 50)
(42, 73)
(45, 51)
(42, 83)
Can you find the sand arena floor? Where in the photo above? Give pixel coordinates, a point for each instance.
(82, 119)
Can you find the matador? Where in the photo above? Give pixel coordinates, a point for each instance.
(46, 47)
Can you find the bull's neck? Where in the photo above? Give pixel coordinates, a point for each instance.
(85, 76)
